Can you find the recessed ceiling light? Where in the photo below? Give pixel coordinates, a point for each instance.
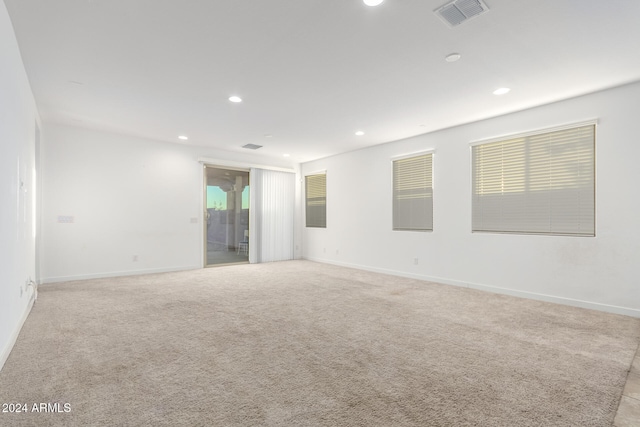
(235, 98)
(359, 133)
(452, 57)
(286, 154)
(372, 2)
(182, 137)
(501, 91)
(268, 135)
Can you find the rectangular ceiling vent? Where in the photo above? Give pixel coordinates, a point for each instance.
(252, 146)
(458, 11)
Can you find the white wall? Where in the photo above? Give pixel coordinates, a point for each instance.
(18, 117)
(600, 272)
(128, 197)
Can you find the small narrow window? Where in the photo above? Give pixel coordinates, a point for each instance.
(413, 193)
(316, 200)
(541, 183)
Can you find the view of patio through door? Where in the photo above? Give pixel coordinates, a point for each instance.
(227, 216)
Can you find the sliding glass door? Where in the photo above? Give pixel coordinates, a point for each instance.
(227, 216)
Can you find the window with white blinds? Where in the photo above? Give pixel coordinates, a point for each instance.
(541, 183)
(413, 193)
(316, 200)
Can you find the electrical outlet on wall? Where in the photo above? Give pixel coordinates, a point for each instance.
(134, 258)
(415, 261)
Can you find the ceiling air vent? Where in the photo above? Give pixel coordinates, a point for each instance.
(252, 146)
(458, 11)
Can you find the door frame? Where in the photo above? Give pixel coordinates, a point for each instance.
(205, 212)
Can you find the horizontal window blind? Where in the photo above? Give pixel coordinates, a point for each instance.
(542, 183)
(413, 193)
(316, 200)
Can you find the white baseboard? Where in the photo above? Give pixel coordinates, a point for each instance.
(116, 274)
(6, 351)
(495, 289)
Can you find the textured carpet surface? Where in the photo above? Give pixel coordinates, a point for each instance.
(306, 344)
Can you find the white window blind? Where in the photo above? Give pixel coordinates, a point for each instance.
(537, 183)
(413, 193)
(316, 200)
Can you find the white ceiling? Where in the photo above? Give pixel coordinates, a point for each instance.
(312, 72)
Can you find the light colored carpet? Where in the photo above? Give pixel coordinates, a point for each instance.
(306, 344)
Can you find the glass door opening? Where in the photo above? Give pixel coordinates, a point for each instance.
(227, 216)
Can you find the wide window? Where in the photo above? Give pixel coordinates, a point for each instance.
(316, 200)
(413, 193)
(542, 183)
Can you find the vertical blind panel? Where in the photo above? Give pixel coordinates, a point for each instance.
(316, 200)
(541, 183)
(272, 234)
(413, 193)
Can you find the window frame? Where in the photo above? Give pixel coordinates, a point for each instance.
(306, 200)
(532, 134)
(394, 227)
